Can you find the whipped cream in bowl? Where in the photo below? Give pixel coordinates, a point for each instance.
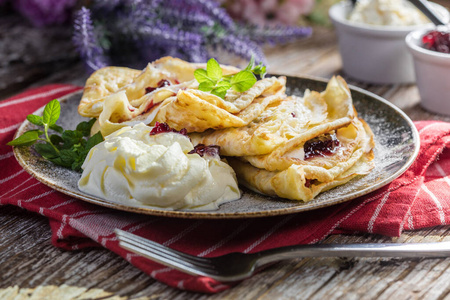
(387, 13)
(163, 170)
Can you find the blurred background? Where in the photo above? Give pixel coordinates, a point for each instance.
(63, 41)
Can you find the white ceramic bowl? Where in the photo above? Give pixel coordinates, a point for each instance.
(375, 53)
(432, 73)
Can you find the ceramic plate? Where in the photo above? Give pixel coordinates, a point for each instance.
(396, 139)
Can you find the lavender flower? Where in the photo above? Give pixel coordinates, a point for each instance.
(212, 8)
(140, 11)
(244, 48)
(143, 30)
(86, 41)
(189, 17)
(138, 26)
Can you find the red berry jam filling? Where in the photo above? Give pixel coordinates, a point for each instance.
(200, 149)
(308, 183)
(437, 41)
(323, 145)
(163, 127)
(161, 83)
(149, 107)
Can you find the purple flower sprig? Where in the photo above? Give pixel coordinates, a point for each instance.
(86, 41)
(181, 16)
(240, 45)
(213, 9)
(133, 32)
(142, 26)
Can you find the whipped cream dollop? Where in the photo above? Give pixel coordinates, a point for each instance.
(133, 167)
(387, 13)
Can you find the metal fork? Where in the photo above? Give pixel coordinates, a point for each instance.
(238, 266)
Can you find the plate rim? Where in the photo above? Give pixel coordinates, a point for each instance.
(211, 214)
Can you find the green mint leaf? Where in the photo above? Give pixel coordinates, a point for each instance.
(91, 123)
(227, 78)
(71, 138)
(68, 157)
(212, 79)
(224, 83)
(57, 161)
(206, 86)
(26, 139)
(46, 150)
(85, 127)
(242, 81)
(260, 70)
(201, 75)
(93, 140)
(79, 146)
(56, 128)
(219, 92)
(62, 160)
(51, 112)
(76, 165)
(82, 152)
(221, 89)
(213, 70)
(68, 148)
(36, 120)
(250, 64)
(56, 140)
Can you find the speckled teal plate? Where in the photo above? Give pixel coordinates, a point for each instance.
(396, 139)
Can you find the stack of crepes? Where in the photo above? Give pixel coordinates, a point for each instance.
(279, 145)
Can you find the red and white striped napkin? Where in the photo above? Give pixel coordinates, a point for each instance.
(419, 198)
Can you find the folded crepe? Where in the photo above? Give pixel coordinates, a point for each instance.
(102, 83)
(286, 123)
(299, 147)
(198, 111)
(164, 72)
(166, 91)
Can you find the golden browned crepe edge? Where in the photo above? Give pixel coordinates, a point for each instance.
(194, 114)
(94, 91)
(167, 67)
(304, 182)
(292, 183)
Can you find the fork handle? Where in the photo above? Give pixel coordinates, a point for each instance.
(440, 249)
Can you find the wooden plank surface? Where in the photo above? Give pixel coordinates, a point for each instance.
(31, 268)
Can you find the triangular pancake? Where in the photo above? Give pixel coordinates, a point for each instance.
(286, 124)
(102, 83)
(198, 111)
(109, 80)
(304, 182)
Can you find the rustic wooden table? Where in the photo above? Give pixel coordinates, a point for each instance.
(32, 268)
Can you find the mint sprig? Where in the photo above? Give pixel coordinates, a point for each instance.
(66, 148)
(212, 79)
